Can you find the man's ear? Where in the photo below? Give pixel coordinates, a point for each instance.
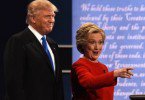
(32, 18)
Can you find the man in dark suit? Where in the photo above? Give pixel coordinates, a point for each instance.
(31, 58)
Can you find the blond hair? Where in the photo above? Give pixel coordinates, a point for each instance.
(37, 5)
(84, 31)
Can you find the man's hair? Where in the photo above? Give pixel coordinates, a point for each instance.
(35, 6)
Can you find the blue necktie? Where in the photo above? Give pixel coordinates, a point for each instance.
(44, 44)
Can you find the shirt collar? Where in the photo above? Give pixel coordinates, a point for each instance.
(36, 33)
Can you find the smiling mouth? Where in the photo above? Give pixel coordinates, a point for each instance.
(50, 25)
(96, 52)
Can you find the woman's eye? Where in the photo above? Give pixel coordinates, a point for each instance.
(92, 42)
(100, 42)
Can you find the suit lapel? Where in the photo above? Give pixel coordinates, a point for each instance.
(36, 45)
(53, 48)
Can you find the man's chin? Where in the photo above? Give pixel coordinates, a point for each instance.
(48, 31)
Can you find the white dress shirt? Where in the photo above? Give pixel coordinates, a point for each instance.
(39, 37)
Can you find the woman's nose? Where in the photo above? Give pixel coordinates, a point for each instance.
(96, 46)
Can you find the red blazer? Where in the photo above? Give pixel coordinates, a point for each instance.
(91, 81)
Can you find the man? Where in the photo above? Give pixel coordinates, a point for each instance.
(31, 59)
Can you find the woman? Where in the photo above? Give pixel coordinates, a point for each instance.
(90, 78)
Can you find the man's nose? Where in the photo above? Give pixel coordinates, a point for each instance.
(52, 19)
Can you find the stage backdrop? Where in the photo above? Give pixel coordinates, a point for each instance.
(124, 25)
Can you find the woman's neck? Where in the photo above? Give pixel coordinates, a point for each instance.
(94, 61)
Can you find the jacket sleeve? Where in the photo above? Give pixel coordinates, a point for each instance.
(87, 80)
(60, 90)
(14, 60)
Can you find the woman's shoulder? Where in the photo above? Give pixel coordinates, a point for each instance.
(83, 62)
(80, 61)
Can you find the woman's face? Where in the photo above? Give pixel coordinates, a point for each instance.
(94, 46)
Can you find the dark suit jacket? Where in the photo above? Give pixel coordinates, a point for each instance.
(29, 75)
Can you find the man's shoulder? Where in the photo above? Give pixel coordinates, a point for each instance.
(50, 40)
(21, 36)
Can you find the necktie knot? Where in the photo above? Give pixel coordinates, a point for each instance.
(43, 39)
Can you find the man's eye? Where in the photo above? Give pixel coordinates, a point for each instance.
(47, 16)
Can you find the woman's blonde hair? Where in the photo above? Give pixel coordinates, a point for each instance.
(83, 33)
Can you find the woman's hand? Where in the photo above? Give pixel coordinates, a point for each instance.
(123, 72)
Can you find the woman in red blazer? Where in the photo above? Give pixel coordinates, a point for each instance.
(90, 78)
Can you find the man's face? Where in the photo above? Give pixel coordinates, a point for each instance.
(44, 21)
